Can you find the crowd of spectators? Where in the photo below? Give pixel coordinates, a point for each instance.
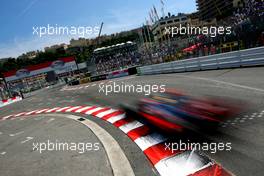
(116, 61)
(250, 8)
(244, 23)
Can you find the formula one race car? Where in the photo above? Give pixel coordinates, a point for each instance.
(175, 112)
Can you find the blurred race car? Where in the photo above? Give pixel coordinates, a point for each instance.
(174, 111)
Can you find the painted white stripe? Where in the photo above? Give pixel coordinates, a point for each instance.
(83, 109)
(20, 114)
(93, 85)
(116, 118)
(130, 126)
(61, 109)
(40, 111)
(53, 109)
(100, 115)
(12, 135)
(114, 152)
(31, 112)
(87, 86)
(28, 139)
(145, 142)
(6, 117)
(183, 164)
(50, 120)
(94, 110)
(73, 108)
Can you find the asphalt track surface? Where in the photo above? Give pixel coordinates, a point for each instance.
(21, 158)
(245, 131)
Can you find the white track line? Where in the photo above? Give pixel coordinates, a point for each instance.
(145, 142)
(183, 164)
(28, 139)
(41, 111)
(61, 109)
(83, 109)
(31, 112)
(12, 135)
(93, 110)
(72, 109)
(116, 118)
(20, 114)
(100, 115)
(53, 109)
(6, 117)
(130, 126)
(114, 152)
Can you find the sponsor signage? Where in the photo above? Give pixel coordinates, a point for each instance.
(59, 66)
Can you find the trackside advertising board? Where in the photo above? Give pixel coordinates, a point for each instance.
(60, 66)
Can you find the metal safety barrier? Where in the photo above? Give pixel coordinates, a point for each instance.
(242, 58)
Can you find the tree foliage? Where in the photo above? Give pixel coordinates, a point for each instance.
(81, 54)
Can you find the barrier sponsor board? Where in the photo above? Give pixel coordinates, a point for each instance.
(60, 66)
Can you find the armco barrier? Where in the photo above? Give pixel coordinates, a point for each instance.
(117, 74)
(242, 58)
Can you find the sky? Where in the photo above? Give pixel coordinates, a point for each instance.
(18, 17)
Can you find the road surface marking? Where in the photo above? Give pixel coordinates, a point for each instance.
(50, 120)
(116, 118)
(83, 109)
(113, 150)
(145, 142)
(62, 109)
(6, 117)
(41, 111)
(100, 115)
(20, 114)
(72, 109)
(93, 110)
(130, 126)
(39, 118)
(31, 112)
(12, 135)
(28, 139)
(53, 109)
(152, 144)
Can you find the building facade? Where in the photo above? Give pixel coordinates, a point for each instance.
(158, 29)
(215, 9)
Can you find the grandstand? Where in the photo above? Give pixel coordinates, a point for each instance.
(115, 57)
